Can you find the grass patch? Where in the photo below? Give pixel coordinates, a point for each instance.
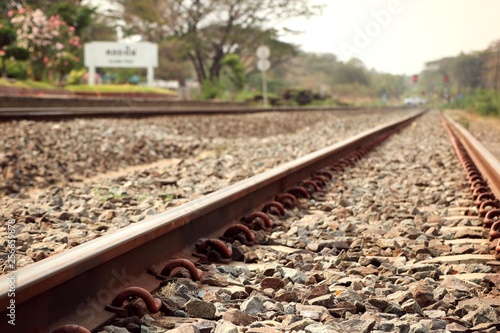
(484, 102)
(30, 84)
(120, 88)
(104, 195)
(102, 88)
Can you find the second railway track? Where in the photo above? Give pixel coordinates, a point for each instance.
(366, 252)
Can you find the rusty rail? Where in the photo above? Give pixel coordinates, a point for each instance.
(134, 111)
(483, 174)
(483, 159)
(72, 288)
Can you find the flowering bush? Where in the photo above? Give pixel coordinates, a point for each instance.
(7, 39)
(50, 41)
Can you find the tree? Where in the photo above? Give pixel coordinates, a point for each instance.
(211, 28)
(351, 72)
(49, 40)
(467, 70)
(74, 14)
(491, 69)
(235, 71)
(173, 61)
(7, 38)
(250, 39)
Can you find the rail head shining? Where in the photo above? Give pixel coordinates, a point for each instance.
(485, 161)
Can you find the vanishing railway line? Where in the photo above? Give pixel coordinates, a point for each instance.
(135, 111)
(336, 259)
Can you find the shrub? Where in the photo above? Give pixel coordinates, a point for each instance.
(17, 70)
(487, 103)
(484, 102)
(76, 76)
(211, 90)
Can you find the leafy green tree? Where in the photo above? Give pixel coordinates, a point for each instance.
(173, 61)
(7, 38)
(248, 40)
(235, 71)
(78, 16)
(211, 28)
(351, 72)
(467, 71)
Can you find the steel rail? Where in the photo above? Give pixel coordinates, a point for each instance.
(484, 160)
(102, 111)
(73, 287)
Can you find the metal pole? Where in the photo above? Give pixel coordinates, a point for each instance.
(150, 76)
(91, 77)
(264, 88)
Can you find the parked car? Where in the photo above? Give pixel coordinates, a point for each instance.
(412, 101)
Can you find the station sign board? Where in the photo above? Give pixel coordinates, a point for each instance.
(121, 55)
(112, 54)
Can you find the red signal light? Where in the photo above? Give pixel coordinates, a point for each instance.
(446, 79)
(415, 78)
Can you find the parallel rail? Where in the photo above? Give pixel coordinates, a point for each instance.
(484, 160)
(74, 286)
(108, 111)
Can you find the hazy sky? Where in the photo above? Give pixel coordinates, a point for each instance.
(396, 36)
(399, 36)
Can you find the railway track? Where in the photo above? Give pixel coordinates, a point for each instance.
(60, 290)
(134, 111)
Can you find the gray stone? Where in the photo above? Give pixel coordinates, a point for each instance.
(358, 325)
(394, 309)
(200, 309)
(419, 328)
(289, 308)
(349, 295)
(483, 314)
(378, 303)
(186, 328)
(434, 314)
(387, 243)
(328, 301)
(319, 328)
(411, 306)
(385, 326)
(299, 325)
(225, 327)
(311, 311)
(205, 326)
(439, 324)
(458, 288)
(253, 306)
(295, 275)
(456, 328)
(238, 318)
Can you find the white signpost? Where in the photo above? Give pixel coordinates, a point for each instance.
(121, 55)
(263, 64)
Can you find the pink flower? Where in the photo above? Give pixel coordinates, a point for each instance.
(72, 29)
(21, 10)
(2, 53)
(10, 13)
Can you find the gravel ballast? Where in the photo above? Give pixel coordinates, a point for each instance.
(360, 257)
(69, 182)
